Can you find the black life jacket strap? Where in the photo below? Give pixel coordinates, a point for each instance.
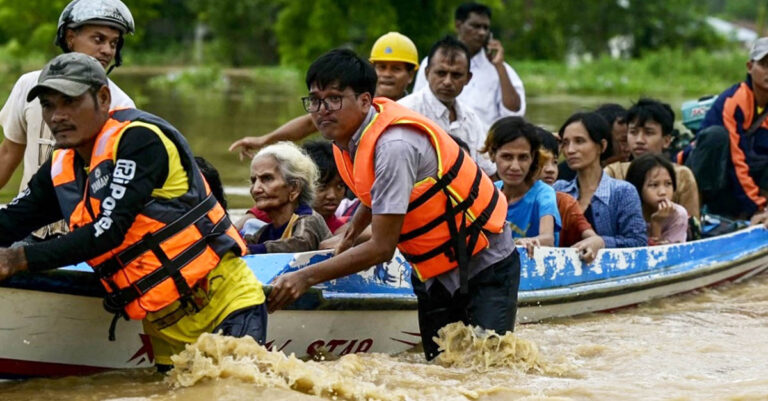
(449, 214)
(462, 240)
(441, 184)
(126, 256)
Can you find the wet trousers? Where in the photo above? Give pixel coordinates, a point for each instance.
(491, 302)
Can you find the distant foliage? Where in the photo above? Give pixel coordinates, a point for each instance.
(290, 32)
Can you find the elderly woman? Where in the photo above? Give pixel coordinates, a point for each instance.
(611, 206)
(283, 181)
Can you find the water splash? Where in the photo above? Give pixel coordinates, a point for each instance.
(482, 350)
(469, 352)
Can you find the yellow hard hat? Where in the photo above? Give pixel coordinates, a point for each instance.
(395, 47)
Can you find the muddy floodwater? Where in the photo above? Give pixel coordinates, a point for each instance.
(707, 345)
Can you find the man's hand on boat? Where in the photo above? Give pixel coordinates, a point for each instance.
(12, 261)
(385, 233)
(529, 244)
(588, 247)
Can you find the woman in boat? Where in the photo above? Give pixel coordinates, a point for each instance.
(283, 181)
(330, 188)
(513, 145)
(611, 206)
(655, 181)
(576, 231)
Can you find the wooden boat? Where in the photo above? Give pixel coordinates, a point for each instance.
(52, 323)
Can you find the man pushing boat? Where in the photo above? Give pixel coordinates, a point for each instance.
(421, 194)
(139, 211)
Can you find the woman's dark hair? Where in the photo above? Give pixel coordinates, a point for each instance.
(345, 68)
(321, 153)
(507, 130)
(652, 110)
(463, 11)
(596, 126)
(612, 112)
(214, 181)
(640, 167)
(548, 141)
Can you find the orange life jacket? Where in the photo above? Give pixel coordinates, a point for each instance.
(171, 245)
(447, 216)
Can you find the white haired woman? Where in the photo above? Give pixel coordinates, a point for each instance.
(283, 185)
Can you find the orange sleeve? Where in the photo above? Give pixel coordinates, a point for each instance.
(735, 133)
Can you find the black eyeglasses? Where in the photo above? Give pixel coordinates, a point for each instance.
(331, 103)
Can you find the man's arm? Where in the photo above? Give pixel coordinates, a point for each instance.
(33, 208)
(294, 130)
(749, 197)
(510, 98)
(11, 154)
(379, 249)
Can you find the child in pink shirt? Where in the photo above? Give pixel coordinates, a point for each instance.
(654, 178)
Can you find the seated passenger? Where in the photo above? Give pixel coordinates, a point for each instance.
(283, 184)
(513, 145)
(616, 116)
(611, 206)
(651, 131)
(576, 231)
(654, 178)
(330, 188)
(731, 152)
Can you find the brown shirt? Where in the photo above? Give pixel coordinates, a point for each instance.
(686, 194)
(573, 220)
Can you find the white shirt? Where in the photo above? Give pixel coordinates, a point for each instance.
(22, 122)
(468, 127)
(483, 93)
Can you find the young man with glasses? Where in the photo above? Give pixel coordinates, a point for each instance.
(421, 194)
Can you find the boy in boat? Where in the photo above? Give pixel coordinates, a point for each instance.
(139, 212)
(93, 27)
(421, 194)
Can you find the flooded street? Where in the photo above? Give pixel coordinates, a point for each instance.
(704, 345)
(708, 345)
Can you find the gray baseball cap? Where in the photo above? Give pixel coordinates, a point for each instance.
(759, 49)
(71, 74)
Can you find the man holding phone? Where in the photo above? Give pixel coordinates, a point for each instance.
(495, 90)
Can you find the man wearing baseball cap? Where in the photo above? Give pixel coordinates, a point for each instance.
(94, 27)
(126, 181)
(730, 159)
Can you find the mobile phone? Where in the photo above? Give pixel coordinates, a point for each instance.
(491, 53)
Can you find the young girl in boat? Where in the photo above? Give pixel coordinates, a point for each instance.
(611, 206)
(513, 145)
(655, 181)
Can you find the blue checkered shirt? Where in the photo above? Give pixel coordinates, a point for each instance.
(617, 214)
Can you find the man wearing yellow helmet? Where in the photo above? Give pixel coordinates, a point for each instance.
(395, 59)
